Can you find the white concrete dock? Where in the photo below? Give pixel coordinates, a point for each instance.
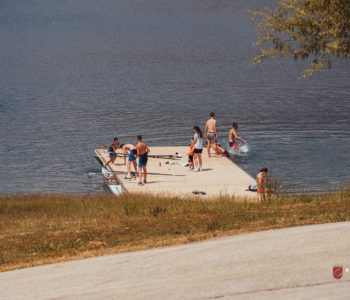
(219, 175)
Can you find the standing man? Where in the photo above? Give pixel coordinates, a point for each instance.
(211, 133)
(131, 158)
(112, 152)
(142, 152)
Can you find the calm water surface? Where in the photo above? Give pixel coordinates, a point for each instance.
(76, 73)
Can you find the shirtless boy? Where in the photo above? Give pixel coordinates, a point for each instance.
(112, 151)
(233, 136)
(210, 133)
(131, 158)
(142, 152)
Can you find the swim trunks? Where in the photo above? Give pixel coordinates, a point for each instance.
(142, 160)
(111, 151)
(132, 154)
(234, 145)
(211, 137)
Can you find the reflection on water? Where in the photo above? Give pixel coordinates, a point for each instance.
(76, 74)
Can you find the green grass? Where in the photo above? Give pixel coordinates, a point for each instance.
(37, 229)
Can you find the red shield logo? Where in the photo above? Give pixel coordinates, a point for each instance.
(337, 272)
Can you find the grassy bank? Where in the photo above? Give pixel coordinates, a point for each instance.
(37, 229)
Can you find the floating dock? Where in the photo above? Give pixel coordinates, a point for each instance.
(168, 176)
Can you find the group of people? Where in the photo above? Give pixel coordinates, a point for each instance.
(196, 147)
(132, 153)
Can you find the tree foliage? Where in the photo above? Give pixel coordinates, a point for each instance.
(305, 29)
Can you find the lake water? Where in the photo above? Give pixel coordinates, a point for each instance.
(76, 73)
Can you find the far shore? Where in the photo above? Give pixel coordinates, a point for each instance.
(38, 229)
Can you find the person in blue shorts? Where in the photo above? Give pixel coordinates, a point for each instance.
(131, 158)
(142, 154)
(112, 152)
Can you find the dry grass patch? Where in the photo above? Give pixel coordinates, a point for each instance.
(37, 229)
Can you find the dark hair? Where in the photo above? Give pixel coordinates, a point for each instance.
(234, 125)
(264, 170)
(212, 114)
(121, 145)
(139, 137)
(116, 139)
(198, 130)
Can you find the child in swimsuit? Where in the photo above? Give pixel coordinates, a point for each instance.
(112, 152)
(131, 158)
(233, 137)
(261, 182)
(190, 154)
